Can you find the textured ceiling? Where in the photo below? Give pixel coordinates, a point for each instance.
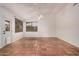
(33, 10)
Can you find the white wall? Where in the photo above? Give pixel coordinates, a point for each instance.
(0, 34)
(11, 36)
(15, 36)
(67, 24)
(46, 27)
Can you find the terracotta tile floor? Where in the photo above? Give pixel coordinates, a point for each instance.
(47, 46)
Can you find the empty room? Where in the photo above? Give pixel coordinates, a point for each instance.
(39, 29)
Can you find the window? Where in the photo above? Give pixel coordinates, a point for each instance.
(18, 25)
(7, 25)
(31, 26)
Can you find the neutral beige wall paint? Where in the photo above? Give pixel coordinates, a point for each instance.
(67, 24)
(46, 27)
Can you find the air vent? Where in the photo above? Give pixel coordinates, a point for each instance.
(75, 4)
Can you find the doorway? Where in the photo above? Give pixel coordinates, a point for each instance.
(5, 31)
